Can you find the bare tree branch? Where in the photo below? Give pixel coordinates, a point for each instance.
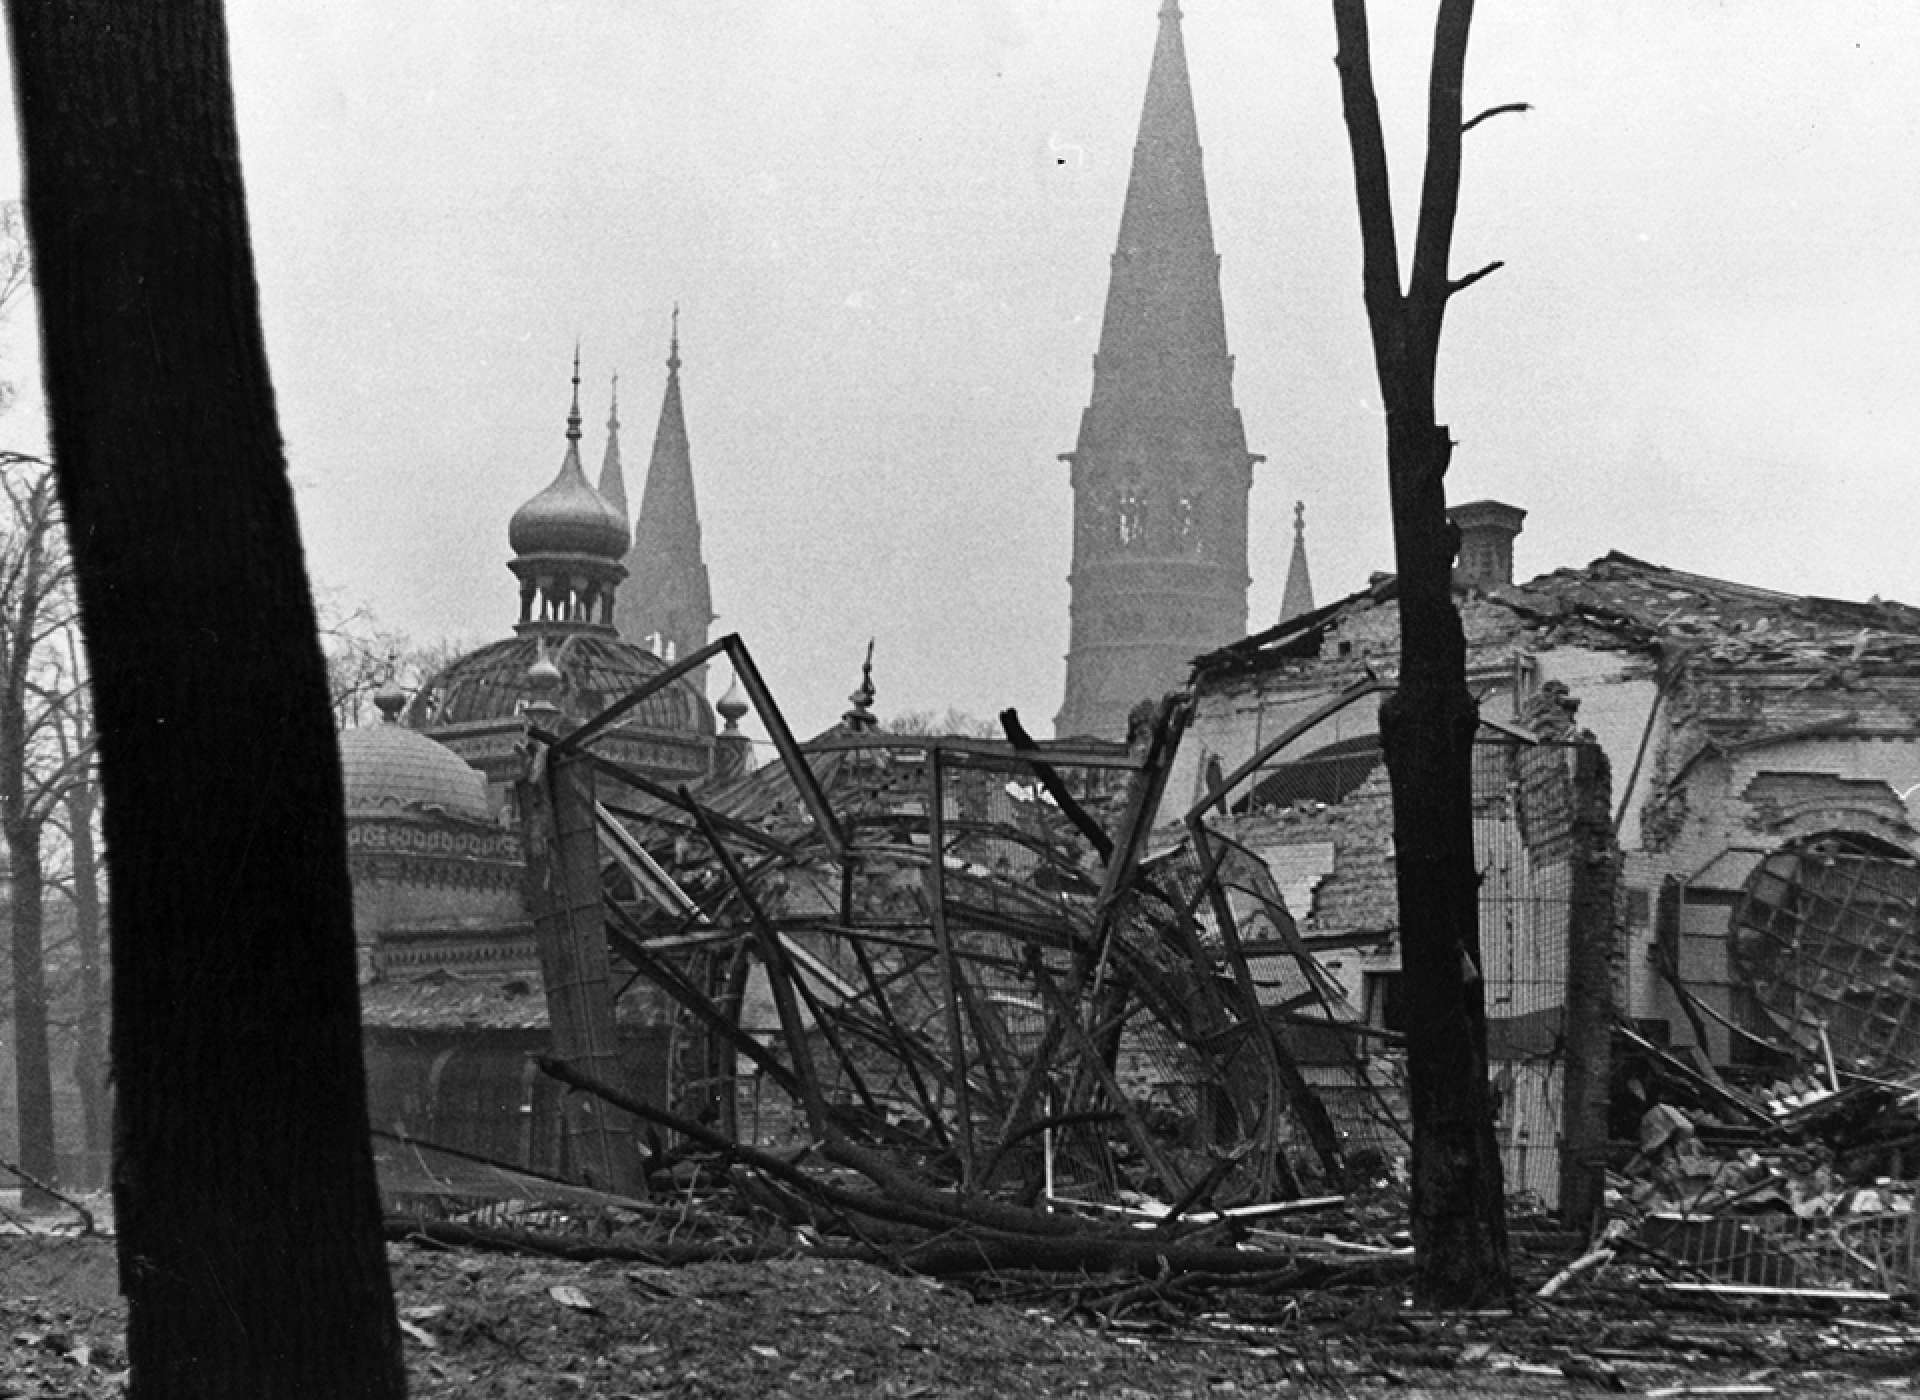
(1460, 284)
(1501, 110)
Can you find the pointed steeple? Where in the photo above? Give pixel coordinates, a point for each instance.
(1298, 598)
(613, 481)
(1165, 330)
(1161, 471)
(666, 591)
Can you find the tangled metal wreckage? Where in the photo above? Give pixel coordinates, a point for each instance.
(984, 993)
(956, 952)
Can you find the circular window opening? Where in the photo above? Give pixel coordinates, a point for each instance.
(1823, 942)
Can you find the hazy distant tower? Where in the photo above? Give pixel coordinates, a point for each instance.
(1161, 472)
(666, 594)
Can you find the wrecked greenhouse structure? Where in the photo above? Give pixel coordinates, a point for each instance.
(1159, 980)
(1008, 968)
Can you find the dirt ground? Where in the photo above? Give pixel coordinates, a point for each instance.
(496, 1325)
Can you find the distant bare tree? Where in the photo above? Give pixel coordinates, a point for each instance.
(363, 656)
(954, 723)
(38, 766)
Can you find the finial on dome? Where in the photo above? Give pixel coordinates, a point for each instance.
(573, 413)
(673, 344)
(860, 718)
(390, 699)
(544, 680)
(733, 706)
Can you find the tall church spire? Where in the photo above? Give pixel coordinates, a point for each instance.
(613, 481)
(1161, 472)
(1298, 598)
(666, 593)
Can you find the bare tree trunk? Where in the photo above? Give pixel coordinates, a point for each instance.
(33, 1061)
(1427, 726)
(90, 1056)
(250, 1234)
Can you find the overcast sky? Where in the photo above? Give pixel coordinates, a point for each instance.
(888, 223)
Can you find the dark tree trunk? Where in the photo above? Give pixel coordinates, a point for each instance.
(90, 1054)
(33, 1063)
(1427, 726)
(250, 1233)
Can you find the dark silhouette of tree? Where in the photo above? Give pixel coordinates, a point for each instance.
(250, 1240)
(1427, 725)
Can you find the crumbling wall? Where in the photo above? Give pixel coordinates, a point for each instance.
(1747, 763)
(1543, 841)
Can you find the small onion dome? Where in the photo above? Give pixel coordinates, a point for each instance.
(390, 700)
(543, 676)
(388, 769)
(733, 706)
(544, 680)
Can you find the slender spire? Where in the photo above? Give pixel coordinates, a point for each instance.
(1298, 598)
(613, 480)
(666, 591)
(573, 413)
(1164, 320)
(1161, 470)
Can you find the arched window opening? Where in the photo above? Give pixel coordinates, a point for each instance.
(1824, 941)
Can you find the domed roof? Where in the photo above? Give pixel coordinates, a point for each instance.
(492, 684)
(570, 517)
(389, 769)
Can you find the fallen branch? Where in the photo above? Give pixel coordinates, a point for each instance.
(972, 1235)
(453, 1234)
(1603, 1251)
(87, 1226)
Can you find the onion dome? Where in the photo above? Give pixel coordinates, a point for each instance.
(390, 770)
(569, 517)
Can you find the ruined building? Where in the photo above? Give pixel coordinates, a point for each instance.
(1161, 471)
(452, 998)
(1764, 752)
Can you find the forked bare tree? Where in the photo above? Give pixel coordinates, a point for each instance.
(250, 1232)
(1427, 725)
